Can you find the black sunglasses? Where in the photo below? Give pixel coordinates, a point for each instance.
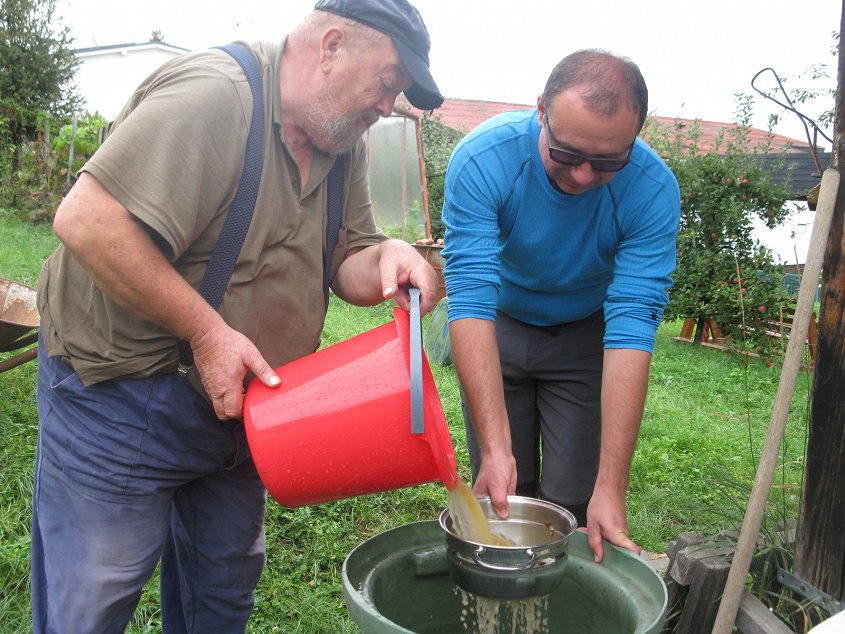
(573, 159)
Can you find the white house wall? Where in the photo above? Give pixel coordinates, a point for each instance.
(107, 76)
(791, 241)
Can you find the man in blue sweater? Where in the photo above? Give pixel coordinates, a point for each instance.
(560, 243)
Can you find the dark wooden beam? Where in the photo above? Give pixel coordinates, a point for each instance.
(820, 548)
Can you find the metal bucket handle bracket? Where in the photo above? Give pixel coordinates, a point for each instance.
(417, 416)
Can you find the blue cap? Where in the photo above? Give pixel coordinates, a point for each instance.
(402, 22)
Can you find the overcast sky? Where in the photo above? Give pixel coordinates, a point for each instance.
(695, 55)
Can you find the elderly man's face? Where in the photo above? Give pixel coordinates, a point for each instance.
(569, 125)
(361, 88)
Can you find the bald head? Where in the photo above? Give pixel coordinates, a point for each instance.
(604, 81)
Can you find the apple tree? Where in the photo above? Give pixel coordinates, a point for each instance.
(723, 272)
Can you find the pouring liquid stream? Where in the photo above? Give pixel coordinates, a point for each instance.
(468, 518)
(480, 614)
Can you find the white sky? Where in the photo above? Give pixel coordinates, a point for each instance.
(695, 55)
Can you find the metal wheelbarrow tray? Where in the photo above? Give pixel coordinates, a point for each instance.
(18, 318)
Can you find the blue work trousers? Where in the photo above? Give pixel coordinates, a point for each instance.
(128, 473)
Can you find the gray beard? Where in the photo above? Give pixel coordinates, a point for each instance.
(329, 132)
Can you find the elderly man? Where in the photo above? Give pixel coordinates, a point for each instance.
(560, 242)
(138, 462)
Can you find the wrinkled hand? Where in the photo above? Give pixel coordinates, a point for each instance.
(222, 357)
(497, 479)
(608, 519)
(400, 267)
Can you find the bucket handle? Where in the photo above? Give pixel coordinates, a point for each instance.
(476, 556)
(417, 416)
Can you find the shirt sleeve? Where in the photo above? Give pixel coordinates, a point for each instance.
(472, 247)
(176, 151)
(644, 263)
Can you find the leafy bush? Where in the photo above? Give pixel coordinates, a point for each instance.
(723, 272)
(438, 140)
(44, 169)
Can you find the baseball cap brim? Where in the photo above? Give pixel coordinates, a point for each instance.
(423, 94)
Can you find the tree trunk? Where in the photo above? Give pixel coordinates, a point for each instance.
(700, 326)
(820, 550)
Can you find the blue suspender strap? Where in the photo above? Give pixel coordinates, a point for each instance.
(335, 205)
(228, 247)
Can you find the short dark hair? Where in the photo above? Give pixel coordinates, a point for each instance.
(606, 81)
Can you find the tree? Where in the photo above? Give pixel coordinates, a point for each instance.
(438, 140)
(723, 273)
(814, 87)
(37, 68)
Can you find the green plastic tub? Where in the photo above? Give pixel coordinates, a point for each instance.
(398, 581)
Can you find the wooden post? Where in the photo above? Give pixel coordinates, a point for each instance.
(704, 568)
(746, 543)
(70, 154)
(820, 553)
(687, 329)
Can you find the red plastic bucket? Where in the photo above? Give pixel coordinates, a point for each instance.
(339, 425)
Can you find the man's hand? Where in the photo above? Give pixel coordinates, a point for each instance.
(497, 479)
(401, 267)
(223, 357)
(608, 519)
(383, 271)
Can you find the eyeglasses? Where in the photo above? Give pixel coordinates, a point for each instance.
(573, 159)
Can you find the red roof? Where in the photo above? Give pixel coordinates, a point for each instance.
(466, 114)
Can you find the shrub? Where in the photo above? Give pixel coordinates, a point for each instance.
(438, 140)
(723, 272)
(44, 170)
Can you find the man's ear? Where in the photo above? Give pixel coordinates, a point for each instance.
(541, 111)
(333, 40)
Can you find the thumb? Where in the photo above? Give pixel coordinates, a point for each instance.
(264, 372)
(388, 286)
(596, 545)
(500, 505)
(624, 541)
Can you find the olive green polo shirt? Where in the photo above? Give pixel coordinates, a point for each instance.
(174, 158)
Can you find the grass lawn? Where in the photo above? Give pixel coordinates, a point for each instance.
(704, 424)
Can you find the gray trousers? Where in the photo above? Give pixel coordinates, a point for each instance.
(552, 385)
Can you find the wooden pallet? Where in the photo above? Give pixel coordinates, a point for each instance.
(711, 334)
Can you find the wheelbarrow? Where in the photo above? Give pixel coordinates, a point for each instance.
(18, 318)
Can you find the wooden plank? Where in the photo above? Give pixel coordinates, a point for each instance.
(701, 606)
(687, 328)
(675, 591)
(715, 330)
(685, 567)
(753, 617)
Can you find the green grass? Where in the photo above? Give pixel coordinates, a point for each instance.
(705, 421)
(24, 248)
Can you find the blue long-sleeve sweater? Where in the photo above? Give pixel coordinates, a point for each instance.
(515, 243)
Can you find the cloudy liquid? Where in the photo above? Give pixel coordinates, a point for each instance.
(485, 615)
(468, 519)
